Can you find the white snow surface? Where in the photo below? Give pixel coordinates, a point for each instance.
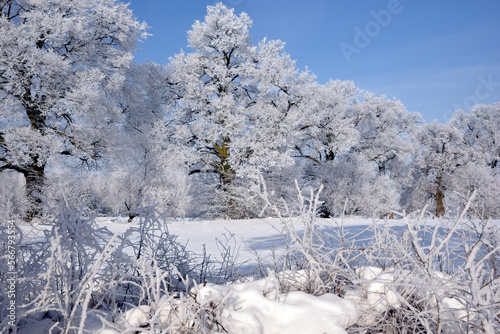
(250, 236)
(258, 307)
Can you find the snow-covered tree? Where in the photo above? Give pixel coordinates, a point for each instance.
(441, 152)
(61, 62)
(387, 130)
(481, 136)
(12, 195)
(480, 178)
(353, 187)
(362, 132)
(480, 128)
(327, 128)
(237, 104)
(143, 169)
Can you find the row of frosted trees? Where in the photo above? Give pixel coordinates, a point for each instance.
(205, 134)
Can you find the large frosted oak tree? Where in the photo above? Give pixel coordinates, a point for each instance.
(442, 152)
(60, 63)
(238, 104)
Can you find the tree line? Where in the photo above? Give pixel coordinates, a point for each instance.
(204, 134)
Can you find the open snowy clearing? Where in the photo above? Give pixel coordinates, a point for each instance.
(250, 236)
(246, 237)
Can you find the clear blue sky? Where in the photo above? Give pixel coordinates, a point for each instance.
(434, 56)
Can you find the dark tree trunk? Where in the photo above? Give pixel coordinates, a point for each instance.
(227, 175)
(439, 197)
(35, 178)
(35, 171)
(227, 184)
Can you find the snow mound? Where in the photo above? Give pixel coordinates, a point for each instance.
(258, 307)
(375, 295)
(138, 316)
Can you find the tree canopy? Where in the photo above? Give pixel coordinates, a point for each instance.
(200, 134)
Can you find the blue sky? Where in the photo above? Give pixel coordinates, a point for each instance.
(434, 56)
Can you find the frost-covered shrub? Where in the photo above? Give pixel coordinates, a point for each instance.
(279, 191)
(164, 306)
(128, 186)
(152, 234)
(70, 189)
(411, 277)
(118, 191)
(155, 289)
(60, 271)
(429, 279)
(237, 201)
(416, 278)
(352, 187)
(309, 263)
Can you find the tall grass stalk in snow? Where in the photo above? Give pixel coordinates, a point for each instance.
(60, 274)
(419, 279)
(317, 267)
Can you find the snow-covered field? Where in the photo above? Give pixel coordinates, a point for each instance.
(249, 236)
(280, 301)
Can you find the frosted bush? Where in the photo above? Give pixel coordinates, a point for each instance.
(408, 278)
(352, 187)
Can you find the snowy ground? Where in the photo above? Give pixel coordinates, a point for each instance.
(250, 236)
(257, 306)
